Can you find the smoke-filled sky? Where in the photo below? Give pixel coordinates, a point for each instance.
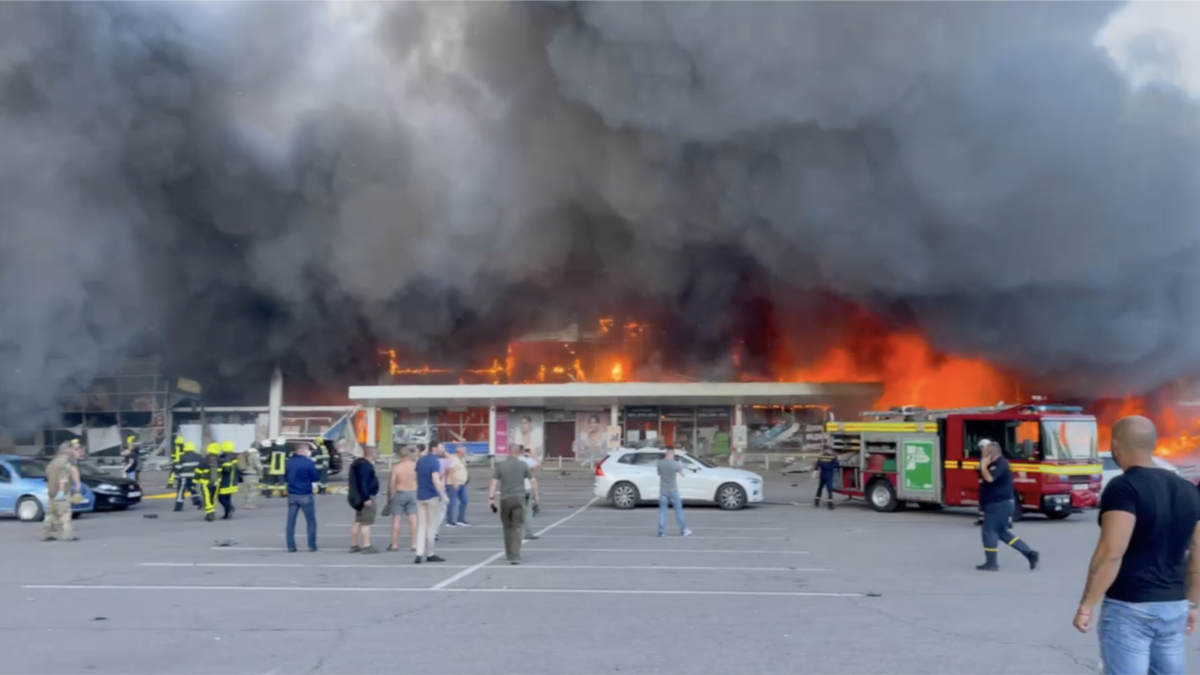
(231, 184)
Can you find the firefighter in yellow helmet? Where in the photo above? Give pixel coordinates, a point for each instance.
(176, 456)
(208, 476)
(276, 481)
(189, 461)
(227, 487)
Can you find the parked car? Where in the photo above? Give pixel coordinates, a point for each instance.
(1111, 470)
(629, 476)
(113, 492)
(23, 488)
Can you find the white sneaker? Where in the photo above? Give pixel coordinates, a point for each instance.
(451, 524)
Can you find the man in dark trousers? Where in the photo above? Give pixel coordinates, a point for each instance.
(827, 466)
(1146, 566)
(364, 485)
(511, 474)
(300, 473)
(996, 497)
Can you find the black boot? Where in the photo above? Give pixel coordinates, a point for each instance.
(210, 517)
(817, 502)
(990, 565)
(178, 506)
(1030, 554)
(829, 504)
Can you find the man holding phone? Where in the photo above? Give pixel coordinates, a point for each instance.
(995, 498)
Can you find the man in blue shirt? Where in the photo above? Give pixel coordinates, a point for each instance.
(431, 502)
(301, 472)
(996, 498)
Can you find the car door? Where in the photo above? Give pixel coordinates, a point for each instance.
(645, 473)
(8, 489)
(697, 482)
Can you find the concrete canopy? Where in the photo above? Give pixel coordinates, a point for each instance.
(583, 394)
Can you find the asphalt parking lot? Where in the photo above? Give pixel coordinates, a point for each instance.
(778, 588)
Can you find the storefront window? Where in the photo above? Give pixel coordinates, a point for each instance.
(466, 426)
(784, 428)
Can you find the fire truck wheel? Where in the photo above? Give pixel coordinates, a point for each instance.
(624, 495)
(731, 497)
(882, 496)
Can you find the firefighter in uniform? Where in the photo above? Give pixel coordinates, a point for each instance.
(996, 496)
(251, 466)
(275, 483)
(322, 461)
(827, 466)
(186, 479)
(208, 476)
(227, 486)
(176, 454)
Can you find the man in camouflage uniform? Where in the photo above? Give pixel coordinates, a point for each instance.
(251, 465)
(64, 488)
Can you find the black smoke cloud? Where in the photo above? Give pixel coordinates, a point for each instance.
(235, 184)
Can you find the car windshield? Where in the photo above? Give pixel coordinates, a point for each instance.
(701, 461)
(1069, 439)
(1110, 464)
(31, 468)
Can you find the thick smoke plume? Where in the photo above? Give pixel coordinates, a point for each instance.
(234, 184)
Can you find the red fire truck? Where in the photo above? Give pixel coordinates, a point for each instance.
(931, 457)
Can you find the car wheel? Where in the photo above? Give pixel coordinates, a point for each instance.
(624, 495)
(882, 496)
(29, 510)
(731, 497)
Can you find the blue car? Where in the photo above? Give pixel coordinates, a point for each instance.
(23, 488)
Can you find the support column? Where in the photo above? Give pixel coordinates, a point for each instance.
(614, 418)
(274, 404)
(491, 431)
(372, 426)
(737, 455)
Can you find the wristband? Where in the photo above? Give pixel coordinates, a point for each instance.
(1193, 605)
(1085, 612)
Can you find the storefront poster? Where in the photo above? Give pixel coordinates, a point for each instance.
(501, 433)
(525, 429)
(591, 432)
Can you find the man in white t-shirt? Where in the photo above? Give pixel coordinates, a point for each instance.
(531, 498)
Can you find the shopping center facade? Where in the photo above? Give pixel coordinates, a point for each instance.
(584, 420)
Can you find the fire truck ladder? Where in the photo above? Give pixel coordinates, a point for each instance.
(917, 413)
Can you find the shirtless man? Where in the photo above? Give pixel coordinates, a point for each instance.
(402, 495)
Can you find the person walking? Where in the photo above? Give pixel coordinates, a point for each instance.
(251, 465)
(827, 466)
(511, 474)
(227, 486)
(363, 488)
(300, 472)
(63, 489)
(431, 503)
(402, 496)
(996, 499)
(185, 476)
(1146, 566)
(669, 471)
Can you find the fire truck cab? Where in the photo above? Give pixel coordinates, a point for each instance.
(931, 457)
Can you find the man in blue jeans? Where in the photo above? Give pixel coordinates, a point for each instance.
(669, 471)
(301, 472)
(1141, 567)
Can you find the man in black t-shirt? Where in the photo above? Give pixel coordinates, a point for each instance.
(1141, 567)
(996, 500)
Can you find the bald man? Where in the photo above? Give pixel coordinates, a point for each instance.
(1149, 522)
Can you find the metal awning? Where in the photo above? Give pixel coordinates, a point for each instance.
(583, 394)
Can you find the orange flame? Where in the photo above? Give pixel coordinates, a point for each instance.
(618, 374)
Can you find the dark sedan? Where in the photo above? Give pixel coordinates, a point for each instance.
(113, 492)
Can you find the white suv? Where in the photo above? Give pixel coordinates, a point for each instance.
(629, 476)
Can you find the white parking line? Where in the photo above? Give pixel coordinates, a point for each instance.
(738, 551)
(496, 557)
(324, 550)
(580, 526)
(659, 568)
(634, 533)
(401, 589)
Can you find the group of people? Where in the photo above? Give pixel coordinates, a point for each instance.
(214, 477)
(427, 488)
